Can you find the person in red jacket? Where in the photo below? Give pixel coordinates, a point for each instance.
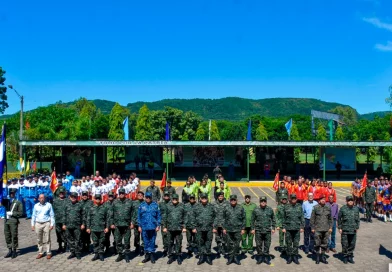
(300, 191)
(331, 192)
(315, 189)
(291, 187)
(323, 188)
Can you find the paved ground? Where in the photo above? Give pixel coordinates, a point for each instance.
(373, 253)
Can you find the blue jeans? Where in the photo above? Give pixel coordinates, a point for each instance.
(149, 237)
(308, 236)
(331, 240)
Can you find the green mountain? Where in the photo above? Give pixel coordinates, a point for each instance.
(372, 115)
(235, 108)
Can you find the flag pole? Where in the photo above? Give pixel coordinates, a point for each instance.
(248, 164)
(167, 164)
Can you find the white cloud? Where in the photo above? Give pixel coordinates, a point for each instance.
(384, 47)
(377, 23)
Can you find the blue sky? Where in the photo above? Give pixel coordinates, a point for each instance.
(127, 51)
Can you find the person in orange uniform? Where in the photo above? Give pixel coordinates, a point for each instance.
(315, 190)
(300, 191)
(330, 192)
(291, 187)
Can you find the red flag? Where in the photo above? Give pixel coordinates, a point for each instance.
(34, 167)
(276, 182)
(53, 183)
(163, 182)
(364, 184)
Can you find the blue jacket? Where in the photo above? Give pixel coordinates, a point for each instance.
(30, 192)
(149, 216)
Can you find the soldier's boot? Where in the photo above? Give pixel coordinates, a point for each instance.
(237, 261)
(230, 260)
(351, 260)
(126, 256)
(72, 255)
(78, 256)
(164, 253)
(171, 259)
(189, 253)
(60, 250)
(289, 259)
(101, 257)
(295, 259)
(324, 259)
(9, 254)
(14, 253)
(345, 260)
(152, 258)
(260, 259)
(146, 258)
(317, 258)
(107, 250)
(267, 260)
(179, 259)
(96, 257)
(141, 251)
(120, 257)
(201, 259)
(208, 260)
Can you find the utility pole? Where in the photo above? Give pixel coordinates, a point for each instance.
(21, 120)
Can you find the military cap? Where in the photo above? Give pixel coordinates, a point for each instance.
(121, 191)
(202, 195)
(111, 194)
(12, 190)
(74, 194)
(148, 195)
(233, 197)
(85, 193)
(61, 190)
(284, 196)
(166, 193)
(322, 196)
(293, 196)
(263, 198)
(221, 193)
(98, 196)
(174, 196)
(349, 198)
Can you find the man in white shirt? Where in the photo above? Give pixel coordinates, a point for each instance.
(42, 222)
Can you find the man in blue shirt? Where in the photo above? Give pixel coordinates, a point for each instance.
(42, 222)
(149, 222)
(307, 208)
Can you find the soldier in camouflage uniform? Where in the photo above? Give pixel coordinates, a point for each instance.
(348, 224)
(190, 235)
(154, 190)
(263, 224)
(59, 188)
(122, 211)
(279, 222)
(293, 224)
(97, 223)
(59, 208)
(169, 188)
(321, 224)
(203, 220)
(247, 237)
(174, 225)
(139, 248)
(282, 191)
(74, 224)
(85, 237)
(233, 228)
(162, 208)
(369, 197)
(219, 206)
(109, 206)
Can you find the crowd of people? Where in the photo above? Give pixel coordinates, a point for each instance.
(93, 209)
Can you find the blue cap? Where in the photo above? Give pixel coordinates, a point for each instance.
(148, 194)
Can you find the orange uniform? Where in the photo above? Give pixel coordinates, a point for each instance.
(330, 192)
(301, 192)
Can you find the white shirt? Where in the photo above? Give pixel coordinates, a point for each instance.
(95, 190)
(73, 189)
(136, 181)
(131, 187)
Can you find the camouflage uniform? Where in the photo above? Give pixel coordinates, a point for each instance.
(280, 193)
(369, 197)
(98, 219)
(190, 236)
(348, 222)
(59, 208)
(155, 191)
(293, 221)
(165, 235)
(173, 221)
(122, 211)
(234, 222)
(263, 222)
(170, 190)
(279, 223)
(109, 206)
(11, 224)
(203, 220)
(220, 239)
(74, 219)
(85, 237)
(321, 222)
(136, 234)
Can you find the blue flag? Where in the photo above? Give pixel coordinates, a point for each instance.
(288, 126)
(249, 135)
(3, 159)
(126, 130)
(167, 136)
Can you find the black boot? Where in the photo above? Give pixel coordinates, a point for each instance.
(267, 260)
(72, 255)
(126, 256)
(179, 259)
(209, 261)
(164, 253)
(120, 257)
(351, 260)
(324, 259)
(317, 258)
(237, 261)
(152, 258)
(13, 256)
(295, 259)
(101, 257)
(345, 260)
(171, 259)
(189, 254)
(96, 257)
(141, 251)
(230, 260)
(60, 250)
(260, 259)
(78, 256)
(9, 254)
(146, 258)
(201, 259)
(289, 259)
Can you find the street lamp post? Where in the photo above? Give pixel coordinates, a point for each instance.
(21, 120)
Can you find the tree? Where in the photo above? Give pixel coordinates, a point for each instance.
(3, 92)
(261, 133)
(201, 134)
(174, 117)
(294, 136)
(214, 132)
(372, 152)
(339, 135)
(143, 125)
(350, 115)
(188, 125)
(321, 133)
